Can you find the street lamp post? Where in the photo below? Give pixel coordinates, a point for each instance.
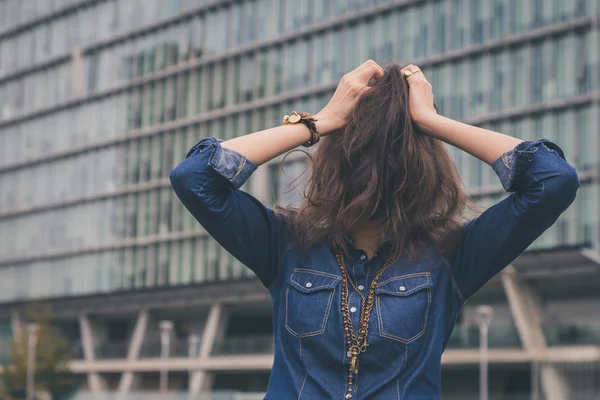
(32, 339)
(483, 316)
(166, 329)
(193, 341)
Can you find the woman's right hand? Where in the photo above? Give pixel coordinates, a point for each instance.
(352, 86)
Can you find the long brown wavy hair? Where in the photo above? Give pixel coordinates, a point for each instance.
(381, 167)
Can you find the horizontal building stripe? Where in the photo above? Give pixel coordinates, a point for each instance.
(42, 19)
(123, 244)
(468, 51)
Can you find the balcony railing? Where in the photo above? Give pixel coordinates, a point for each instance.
(572, 334)
(500, 336)
(111, 350)
(177, 348)
(259, 344)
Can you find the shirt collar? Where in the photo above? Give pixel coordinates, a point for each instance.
(355, 253)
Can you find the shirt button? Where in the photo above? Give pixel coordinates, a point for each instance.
(360, 287)
(402, 288)
(353, 309)
(308, 284)
(362, 257)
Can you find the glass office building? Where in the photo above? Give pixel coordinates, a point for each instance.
(100, 99)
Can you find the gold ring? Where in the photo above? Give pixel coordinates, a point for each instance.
(408, 73)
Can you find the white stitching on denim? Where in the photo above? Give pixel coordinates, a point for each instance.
(326, 286)
(398, 385)
(324, 322)
(300, 348)
(303, 382)
(397, 338)
(395, 278)
(317, 273)
(219, 150)
(454, 284)
(406, 293)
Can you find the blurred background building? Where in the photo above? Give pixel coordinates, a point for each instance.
(99, 99)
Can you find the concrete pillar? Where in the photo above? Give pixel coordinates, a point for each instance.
(527, 312)
(135, 345)
(89, 339)
(215, 326)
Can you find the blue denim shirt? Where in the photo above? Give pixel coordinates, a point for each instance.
(416, 305)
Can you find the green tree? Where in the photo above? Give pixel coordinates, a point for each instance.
(52, 358)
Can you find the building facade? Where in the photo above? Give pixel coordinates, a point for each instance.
(100, 99)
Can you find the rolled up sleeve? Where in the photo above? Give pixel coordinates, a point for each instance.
(230, 164)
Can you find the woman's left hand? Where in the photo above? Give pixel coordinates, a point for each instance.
(420, 95)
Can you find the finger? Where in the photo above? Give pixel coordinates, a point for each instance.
(368, 70)
(409, 67)
(414, 74)
(364, 65)
(410, 70)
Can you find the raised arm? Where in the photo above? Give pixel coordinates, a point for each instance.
(207, 181)
(544, 185)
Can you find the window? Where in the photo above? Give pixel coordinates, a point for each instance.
(536, 73)
(187, 260)
(584, 139)
(175, 264)
(584, 69)
(248, 21)
(421, 39)
(262, 73)
(166, 208)
(163, 263)
(498, 17)
(200, 259)
(248, 65)
(151, 265)
(517, 84)
(140, 274)
(321, 9)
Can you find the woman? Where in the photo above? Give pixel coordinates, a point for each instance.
(369, 274)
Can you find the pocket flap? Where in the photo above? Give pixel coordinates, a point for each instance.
(404, 285)
(308, 281)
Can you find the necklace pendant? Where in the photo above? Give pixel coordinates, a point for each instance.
(354, 365)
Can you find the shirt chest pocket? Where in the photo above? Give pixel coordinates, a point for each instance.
(403, 305)
(308, 298)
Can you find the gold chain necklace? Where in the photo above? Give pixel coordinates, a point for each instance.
(356, 344)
